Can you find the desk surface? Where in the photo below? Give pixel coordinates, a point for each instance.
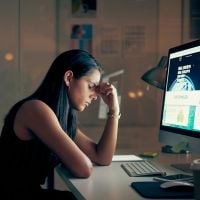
(110, 182)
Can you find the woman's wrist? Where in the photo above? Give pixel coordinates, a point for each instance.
(115, 115)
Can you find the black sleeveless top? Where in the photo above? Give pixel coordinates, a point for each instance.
(24, 165)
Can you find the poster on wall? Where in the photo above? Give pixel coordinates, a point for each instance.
(84, 8)
(133, 39)
(109, 40)
(81, 37)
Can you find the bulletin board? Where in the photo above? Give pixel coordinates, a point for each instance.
(122, 36)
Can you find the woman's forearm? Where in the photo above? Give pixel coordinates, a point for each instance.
(107, 143)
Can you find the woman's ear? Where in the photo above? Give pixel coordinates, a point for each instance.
(68, 77)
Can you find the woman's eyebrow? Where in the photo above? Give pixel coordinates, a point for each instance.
(95, 84)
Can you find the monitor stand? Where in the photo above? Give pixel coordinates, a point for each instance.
(185, 167)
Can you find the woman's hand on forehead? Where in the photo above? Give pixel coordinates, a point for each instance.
(108, 93)
(103, 88)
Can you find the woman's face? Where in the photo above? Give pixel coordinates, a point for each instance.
(83, 91)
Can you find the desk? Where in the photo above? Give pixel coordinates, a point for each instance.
(110, 182)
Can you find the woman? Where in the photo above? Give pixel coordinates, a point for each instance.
(41, 130)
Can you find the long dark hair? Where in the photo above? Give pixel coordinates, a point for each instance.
(53, 90)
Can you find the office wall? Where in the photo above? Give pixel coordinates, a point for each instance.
(27, 46)
(129, 35)
(9, 76)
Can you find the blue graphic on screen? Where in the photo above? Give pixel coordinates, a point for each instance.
(182, 98)
(182, 84)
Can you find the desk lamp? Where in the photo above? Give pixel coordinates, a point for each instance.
(156, 75)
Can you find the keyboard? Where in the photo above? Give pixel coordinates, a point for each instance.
(142, 168)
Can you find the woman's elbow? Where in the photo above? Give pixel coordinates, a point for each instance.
(104, 162)
(84, 172)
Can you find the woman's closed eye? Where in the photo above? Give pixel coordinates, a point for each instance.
(92, 86)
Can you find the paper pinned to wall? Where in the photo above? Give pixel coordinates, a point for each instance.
(133, 39)
(109, 38)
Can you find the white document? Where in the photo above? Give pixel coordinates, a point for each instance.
(126, 158)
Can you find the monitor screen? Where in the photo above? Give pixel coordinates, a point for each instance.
(180, 117)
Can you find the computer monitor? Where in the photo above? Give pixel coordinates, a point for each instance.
(180, 116)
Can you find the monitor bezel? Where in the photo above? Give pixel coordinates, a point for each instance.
(178, 131)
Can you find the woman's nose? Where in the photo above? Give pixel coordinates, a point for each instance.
(94, 96)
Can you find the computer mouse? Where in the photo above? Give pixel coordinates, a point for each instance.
(176, 184)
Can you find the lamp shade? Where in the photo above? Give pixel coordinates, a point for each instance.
(156, 76)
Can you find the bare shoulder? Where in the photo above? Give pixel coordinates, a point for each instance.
(36, 108)
(32, 105)
(33, 115)
(38, 111)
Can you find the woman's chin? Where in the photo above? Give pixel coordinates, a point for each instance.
(81, 108)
